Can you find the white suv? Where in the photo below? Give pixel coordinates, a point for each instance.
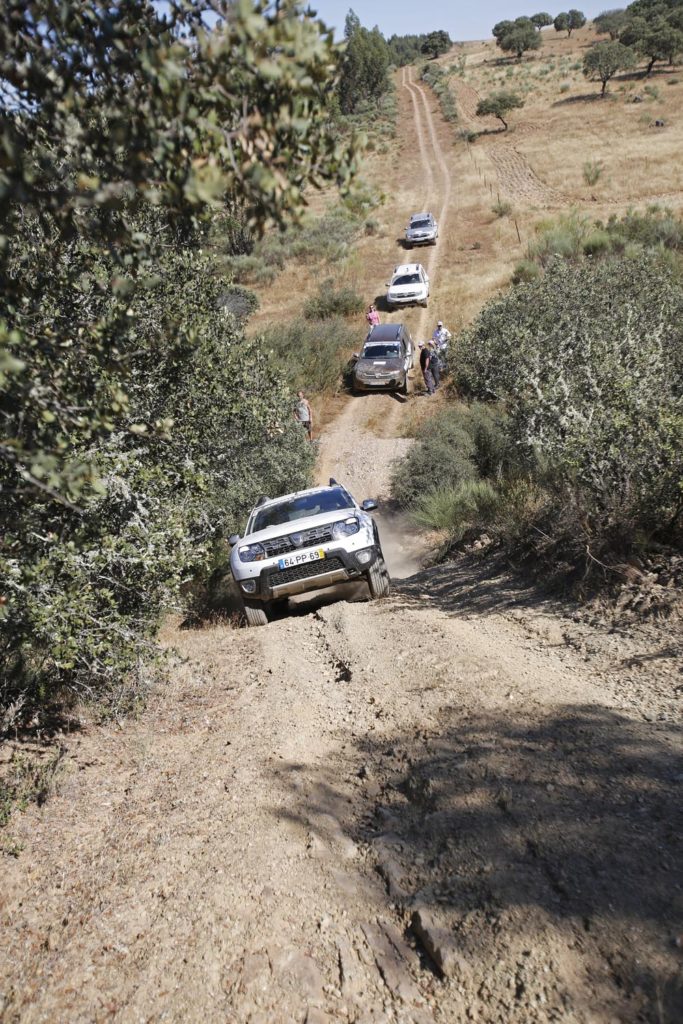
(305, 541)
(408, 285)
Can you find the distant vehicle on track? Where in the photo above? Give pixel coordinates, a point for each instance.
(422, 230)
(384, 360)
(409, 286)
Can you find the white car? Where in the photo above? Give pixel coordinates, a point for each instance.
(422, 230)
(409, 285)
(305, 541)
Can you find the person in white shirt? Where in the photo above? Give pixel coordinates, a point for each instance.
(441, 336)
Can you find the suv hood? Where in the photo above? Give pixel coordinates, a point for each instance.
(298, 526)
(388, 364)
(407, 289)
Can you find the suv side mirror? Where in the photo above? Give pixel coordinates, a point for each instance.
(233, 538)
(369, 505)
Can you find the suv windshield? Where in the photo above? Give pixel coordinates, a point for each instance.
(420, 224)
(391, 351)
(303, 505)
(407, 279)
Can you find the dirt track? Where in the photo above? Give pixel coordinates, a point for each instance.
(462, 803)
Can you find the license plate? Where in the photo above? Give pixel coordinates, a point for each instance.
(298, 559)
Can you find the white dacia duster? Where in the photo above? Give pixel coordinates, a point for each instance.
(305, 541)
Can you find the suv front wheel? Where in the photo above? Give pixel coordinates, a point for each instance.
(256, 613)
(378, 579)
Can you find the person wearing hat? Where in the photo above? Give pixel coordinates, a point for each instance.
(441, 336)
(425, 360)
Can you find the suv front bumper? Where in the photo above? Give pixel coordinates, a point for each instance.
(338, 566)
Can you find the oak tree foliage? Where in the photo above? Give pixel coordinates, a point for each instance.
(137, 424)
(499, 104)
(603, 61)
(517, 36)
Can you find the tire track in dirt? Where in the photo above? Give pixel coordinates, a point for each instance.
(517, 180)
(406, 82)
(516, 177)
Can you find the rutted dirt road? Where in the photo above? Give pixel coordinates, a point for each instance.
(462, 803)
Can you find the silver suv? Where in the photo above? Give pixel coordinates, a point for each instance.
(305, 541)
(422, 230)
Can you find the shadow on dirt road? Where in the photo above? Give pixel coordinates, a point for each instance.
(547, 846)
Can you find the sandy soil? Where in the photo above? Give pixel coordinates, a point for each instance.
(460, 803)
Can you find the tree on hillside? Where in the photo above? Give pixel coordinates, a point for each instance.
(501, 28)
(567, 21)
(610, 23)
(603, 61)
(436, 43)
(364, 74)
(656, 34)
(541, 20)
(518, 36)
(498, 104)
(351, 24)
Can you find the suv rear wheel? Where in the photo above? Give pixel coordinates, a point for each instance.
(256, 612)
(378, 579)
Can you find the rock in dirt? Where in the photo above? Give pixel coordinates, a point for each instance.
(438, 943)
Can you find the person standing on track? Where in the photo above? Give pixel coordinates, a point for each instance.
(426, 371)
(372, 316)
(303, 414)
(441, 337)
(434, 364)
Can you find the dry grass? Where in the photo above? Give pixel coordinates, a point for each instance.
(564, 123)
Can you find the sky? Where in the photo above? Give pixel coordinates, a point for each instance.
(461, 20)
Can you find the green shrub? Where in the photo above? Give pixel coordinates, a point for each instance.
(502, 208)
(362, 199)
(565, 87)
(312, 354)
(238, 301)
(592, 171)
(460, 444)
(436, 76)
(562, 237)
(332, 301)
(456, 509)
(589, 362)
(597, 243)
(525, 271)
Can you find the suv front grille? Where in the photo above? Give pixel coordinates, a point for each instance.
(310, 538)
(304, 571)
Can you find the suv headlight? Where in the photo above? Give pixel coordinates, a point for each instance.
(345, 528)
(251, 553)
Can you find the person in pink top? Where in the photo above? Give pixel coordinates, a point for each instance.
(372, 316)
